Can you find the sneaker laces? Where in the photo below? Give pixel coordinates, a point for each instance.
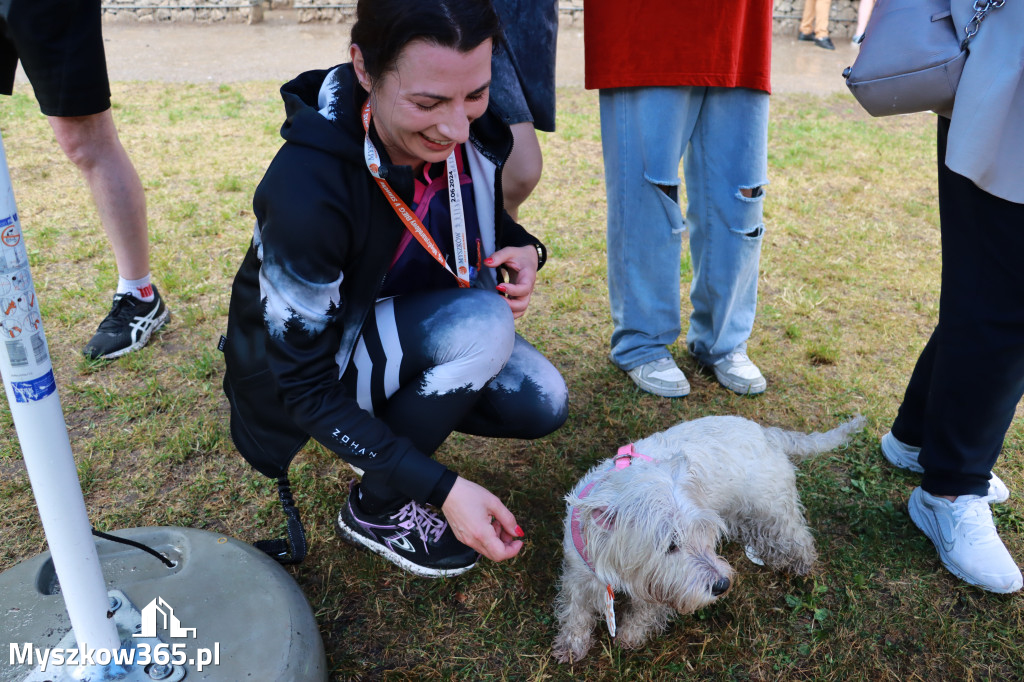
(123, 310)
(975, 516)
(429, 525)
(736, 357)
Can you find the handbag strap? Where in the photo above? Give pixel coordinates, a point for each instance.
(981, 10)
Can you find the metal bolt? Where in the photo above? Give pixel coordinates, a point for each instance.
(138, 628)
(160, 671)
(115, 603)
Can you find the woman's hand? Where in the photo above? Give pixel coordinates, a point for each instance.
(520, 265)
(481, 521)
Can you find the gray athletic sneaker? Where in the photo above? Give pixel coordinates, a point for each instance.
(661, 377)
(965, 536)
(905, 456)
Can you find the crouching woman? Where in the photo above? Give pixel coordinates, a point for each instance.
(374, 310)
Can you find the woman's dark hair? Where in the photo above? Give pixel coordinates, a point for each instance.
(384, 27)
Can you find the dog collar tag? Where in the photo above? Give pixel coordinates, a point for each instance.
(609, 609)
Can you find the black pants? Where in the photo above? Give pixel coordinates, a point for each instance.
(969, 378)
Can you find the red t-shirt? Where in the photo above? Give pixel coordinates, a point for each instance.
(632, 43)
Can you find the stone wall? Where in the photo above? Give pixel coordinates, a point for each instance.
(183, 11)
(325, 10)
(843, 16)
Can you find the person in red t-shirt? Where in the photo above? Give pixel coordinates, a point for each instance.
(682, 80)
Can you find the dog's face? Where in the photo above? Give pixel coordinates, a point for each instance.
(650, 534)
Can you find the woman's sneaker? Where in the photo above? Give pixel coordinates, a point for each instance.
(966, 539)
(413, 537)
(905, 456)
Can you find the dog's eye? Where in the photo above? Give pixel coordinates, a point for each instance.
(672, 548)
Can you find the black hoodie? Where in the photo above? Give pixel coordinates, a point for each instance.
(324, 239)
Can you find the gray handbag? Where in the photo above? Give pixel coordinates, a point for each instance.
(912, 57)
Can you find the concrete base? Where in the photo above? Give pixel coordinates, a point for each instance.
(222, 597)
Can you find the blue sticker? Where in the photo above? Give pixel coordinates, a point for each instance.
(34, 389)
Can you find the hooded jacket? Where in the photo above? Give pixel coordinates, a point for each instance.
(324, 239)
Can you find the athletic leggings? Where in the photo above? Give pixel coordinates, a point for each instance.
(450, 360)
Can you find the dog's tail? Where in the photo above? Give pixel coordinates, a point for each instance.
(802, 446)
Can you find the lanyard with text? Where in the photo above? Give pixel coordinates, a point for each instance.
(409, 218)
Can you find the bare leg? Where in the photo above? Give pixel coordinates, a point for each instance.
(91, 142)
(863, 14)
(523, 169)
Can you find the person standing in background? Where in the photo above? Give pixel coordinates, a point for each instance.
(969, 378)
(814, 24)
(703, 100)
(863, 15)
(523, 89)
(60, 45)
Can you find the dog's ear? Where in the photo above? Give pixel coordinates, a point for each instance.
(603, 518)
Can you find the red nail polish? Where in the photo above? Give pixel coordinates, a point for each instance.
(488, 261)
(519, 532)
(501, 288)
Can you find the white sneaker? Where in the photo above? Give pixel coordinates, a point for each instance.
(738, 374)
(661, 377)
(905, 456)
(966, 539)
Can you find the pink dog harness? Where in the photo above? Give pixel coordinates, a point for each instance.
(623, 459)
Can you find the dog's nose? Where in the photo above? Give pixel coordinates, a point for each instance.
(720, 587)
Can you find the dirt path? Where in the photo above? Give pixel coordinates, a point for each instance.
(279, 48)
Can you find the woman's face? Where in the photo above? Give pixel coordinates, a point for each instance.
(423, 107)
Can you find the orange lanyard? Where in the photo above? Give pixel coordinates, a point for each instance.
(409, 219)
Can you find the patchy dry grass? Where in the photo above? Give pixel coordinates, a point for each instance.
(848, 297)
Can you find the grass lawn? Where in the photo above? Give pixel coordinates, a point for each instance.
(848, 297)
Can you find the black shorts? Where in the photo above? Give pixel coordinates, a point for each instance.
(60, 45)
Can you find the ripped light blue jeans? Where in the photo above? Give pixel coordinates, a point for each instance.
(721, 135)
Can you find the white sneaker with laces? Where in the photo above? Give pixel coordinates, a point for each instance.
(661, 377)
(965, 536)
(738, 374)
(905, 456)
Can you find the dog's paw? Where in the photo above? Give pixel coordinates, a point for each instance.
(802, 566)
(569, 648)
(632, 636)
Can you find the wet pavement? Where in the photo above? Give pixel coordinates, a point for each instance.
(279, 48)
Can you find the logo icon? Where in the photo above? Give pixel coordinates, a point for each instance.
(170, 622)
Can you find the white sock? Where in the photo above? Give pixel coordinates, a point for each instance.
(141, 288)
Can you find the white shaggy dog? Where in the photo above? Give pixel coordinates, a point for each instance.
(647, 522)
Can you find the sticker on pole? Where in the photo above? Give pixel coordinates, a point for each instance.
(34, 389)
(12, 246)
(24, 357)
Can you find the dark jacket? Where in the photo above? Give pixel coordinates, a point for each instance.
(324, 239)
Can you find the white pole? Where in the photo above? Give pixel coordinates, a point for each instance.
(45, 446)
